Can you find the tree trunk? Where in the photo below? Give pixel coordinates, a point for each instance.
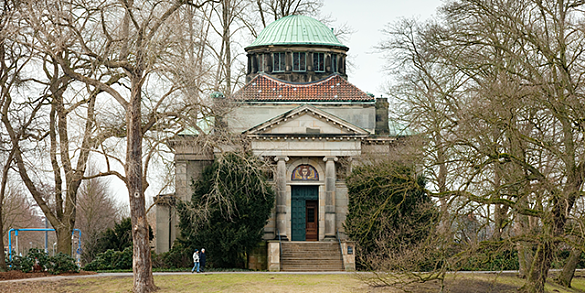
(63, 239)
(3, 267)
(568, 272)
(525, 254)
(524, 258)
(228, 50)
(5, 170)
(141, 262)
(500, 211)
(538, 273)
(499, 218)
(444, 224)
(3, 76)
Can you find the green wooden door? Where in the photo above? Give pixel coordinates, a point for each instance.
(300, 195)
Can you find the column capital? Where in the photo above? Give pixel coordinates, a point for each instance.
(281, 158)
(325, 159)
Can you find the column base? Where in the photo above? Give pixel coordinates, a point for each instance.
(282, 238)
(329, 238)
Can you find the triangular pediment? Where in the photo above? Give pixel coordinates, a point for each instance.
(307, 120)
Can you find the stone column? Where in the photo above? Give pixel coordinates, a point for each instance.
(281, 197)
(330, 178)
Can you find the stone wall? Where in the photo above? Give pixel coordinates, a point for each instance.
(341, 207)
(190, 160)
(258, 258)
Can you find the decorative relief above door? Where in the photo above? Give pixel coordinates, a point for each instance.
(305, 173)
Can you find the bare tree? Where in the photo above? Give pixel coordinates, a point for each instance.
(224, 20)
(421, 103)
(271, 10)
(127, 43)
(17, 211)
(97, 211)
(518, 136)
(31, 124)
(13, 61)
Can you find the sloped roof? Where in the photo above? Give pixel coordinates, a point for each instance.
(264, 88)
(296, 30)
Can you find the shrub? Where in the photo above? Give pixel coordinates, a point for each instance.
(21, 263)
(53, 264)
(118, 238)
(111, 260)
(390, 215)
(177, 257)
(62, 263)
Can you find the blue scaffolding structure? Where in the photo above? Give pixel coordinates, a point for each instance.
(78, 252)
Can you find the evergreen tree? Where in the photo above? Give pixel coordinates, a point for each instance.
(229, 208)
(389, 211)
(117, 238)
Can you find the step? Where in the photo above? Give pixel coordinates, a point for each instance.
(311, 268)
(338, 266)
(306, 263)
(311, 256)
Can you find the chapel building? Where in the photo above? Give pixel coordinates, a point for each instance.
(299, 111)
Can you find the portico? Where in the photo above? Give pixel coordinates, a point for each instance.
(317, 155)
(306, 207)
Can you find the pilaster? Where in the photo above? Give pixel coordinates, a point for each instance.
(281, 197)
(330, 178)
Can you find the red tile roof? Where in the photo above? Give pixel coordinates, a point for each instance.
(264, 88)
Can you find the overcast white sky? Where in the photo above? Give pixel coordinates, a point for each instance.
(367, 18)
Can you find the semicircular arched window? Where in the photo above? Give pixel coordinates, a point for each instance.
(305, 173)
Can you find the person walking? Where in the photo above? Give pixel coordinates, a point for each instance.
(195, 261)
(202, 260)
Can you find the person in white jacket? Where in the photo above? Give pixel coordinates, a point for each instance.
(196, 261)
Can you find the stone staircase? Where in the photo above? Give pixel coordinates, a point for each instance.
(300, 256)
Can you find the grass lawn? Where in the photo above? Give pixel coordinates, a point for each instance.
(253, 282)
(232, 283)
(215, 282)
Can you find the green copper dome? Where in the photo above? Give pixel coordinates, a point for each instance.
(296, 30)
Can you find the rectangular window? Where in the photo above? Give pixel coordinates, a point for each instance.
(263, 67)
(278, 62)
(334, 63)
(310, 215)
(319, 62)
(299, 62)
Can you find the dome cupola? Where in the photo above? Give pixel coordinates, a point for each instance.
(296, 48)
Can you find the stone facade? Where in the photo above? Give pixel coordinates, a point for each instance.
(313, 126)
(190, 160)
